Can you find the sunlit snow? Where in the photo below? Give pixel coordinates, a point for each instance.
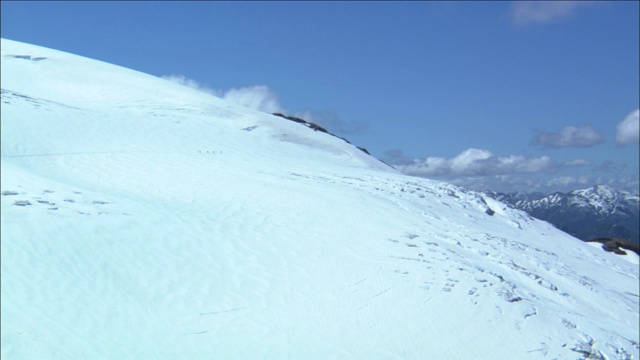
(142, 219)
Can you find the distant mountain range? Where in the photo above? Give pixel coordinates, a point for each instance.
(595, 212)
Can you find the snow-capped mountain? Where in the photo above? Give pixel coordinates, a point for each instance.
(142, 219)
(599, 211)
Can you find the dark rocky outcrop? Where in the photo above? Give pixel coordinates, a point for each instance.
(302, 121)
(316, 128)
(613, 244)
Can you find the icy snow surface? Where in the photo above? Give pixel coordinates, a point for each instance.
(145, 220)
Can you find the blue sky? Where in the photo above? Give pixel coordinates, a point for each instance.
(508, 96)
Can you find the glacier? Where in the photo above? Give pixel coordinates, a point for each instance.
(142, 219)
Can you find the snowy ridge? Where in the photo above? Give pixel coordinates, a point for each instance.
(600, 211)
(601, 198)
(143, 219)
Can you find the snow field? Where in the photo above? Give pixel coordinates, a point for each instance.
(142, 219)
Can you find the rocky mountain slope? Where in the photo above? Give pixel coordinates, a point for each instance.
(600, 211)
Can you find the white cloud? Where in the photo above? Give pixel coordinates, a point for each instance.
(529, 12)
(577, 162)
(628, 183)
(569, 136)
(628, 129)
(472, 162)
(182, 80)
(258, 97)
(568, 182)
(262, 98)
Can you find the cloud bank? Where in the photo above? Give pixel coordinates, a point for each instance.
(628, 130)
(482, 170)
(474, 162)
(532, 183)
(531, 12)
(569, 136)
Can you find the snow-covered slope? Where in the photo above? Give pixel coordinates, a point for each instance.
(145, 220)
